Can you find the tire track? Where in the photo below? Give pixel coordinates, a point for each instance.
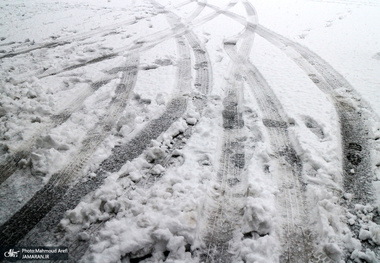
(37, 207)
(10, 164)
(79, 247)
(297, 238)
(353, 125)
(24, 51)
(7, 44)
(120, 155)
(225, 212)
(96, 137)
(79, 37)
(356, 163)
(145, 43)
(69, 39)
(357, 171)
(202, 64)
(55, 190)
(202, 60)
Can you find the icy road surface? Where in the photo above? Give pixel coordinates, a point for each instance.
(191, 131)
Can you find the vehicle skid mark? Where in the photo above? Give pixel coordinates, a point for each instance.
(38, 206)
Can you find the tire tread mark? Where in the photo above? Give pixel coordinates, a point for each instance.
(78, 248)
(38, 206)
(352, 123)
(143, 44)
(78, 37)
(352, 119)
(69, 39)
(296, 237)
(291, 199)
(357, 172)
(202, 61)
(120, 155)
(10, 164)
(225, 213)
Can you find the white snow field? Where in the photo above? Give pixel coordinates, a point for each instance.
(191, 131)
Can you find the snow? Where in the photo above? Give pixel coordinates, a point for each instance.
(161, 208)
(344, 33)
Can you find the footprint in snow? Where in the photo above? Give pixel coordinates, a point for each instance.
(314, 127)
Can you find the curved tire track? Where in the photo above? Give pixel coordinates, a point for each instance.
(145, 43)
(202, 61)
(78, 37)
(353, 125)
(38, 206)
(297, 239)
(121, 154)
(79, 247)
(357, 171)
(69, 39)
(57, 187)
(10, 164)
(225, 212)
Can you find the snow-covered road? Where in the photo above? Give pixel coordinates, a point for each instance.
(191, 131)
